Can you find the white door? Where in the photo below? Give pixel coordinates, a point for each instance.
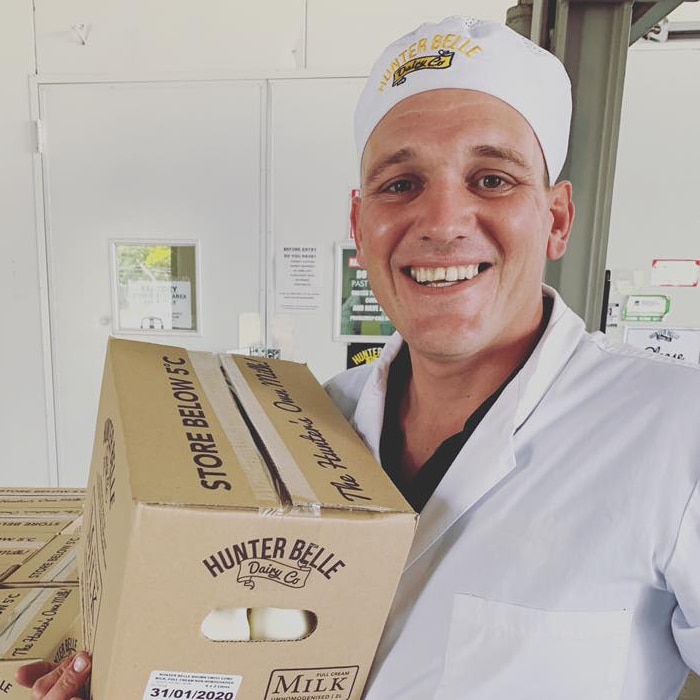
(176, 164)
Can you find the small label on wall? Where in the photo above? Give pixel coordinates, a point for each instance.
(674, 273)
(646, 307)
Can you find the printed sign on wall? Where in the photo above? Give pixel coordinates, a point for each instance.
(362, 354)
(358, 314)
(679, 343)
(297, 278)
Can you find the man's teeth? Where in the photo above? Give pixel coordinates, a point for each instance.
(444, 274)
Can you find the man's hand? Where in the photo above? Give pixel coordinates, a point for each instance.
(62, 682)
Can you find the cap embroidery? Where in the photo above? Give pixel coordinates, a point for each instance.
(442, 60)
(410, 60)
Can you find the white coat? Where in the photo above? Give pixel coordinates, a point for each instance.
(559, 558)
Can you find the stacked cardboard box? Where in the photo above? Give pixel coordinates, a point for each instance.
(36, 624)
(39, 597)
(691, 691)
(39, 533)
(240, 541)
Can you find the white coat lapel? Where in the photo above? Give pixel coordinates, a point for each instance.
(485, 459)
(369, 412)
(488, 456)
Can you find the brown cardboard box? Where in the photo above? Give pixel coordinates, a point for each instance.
(691, 690)
(51, 522)
(48, 492)
(188, 513)
(55, 563)
(15, 549)
(36, 624)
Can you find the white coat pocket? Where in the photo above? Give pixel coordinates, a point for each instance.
(498, 651)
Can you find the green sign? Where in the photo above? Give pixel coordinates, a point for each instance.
(358, 311)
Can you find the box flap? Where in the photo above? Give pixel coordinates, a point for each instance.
(319, 457)
(185, 440)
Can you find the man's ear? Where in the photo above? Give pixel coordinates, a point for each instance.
(561, 207)
(356, 228)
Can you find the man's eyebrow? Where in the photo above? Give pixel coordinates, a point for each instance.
(501, 153)
(395, 158)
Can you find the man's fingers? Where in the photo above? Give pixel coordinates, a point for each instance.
(28, 674)
(65, 681)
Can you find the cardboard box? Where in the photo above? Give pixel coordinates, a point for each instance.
(36, 624)
(55, 563)
(49, 494)
(691, 690)
(189, 513)
(15, 549)
(51, 522)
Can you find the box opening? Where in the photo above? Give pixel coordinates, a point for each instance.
(258, 624)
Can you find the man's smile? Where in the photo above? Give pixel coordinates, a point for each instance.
(445, 276)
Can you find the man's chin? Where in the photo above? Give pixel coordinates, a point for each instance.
(444, 342)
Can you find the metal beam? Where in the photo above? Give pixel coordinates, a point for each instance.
(647, 14)
(591, 38)
(543, 12)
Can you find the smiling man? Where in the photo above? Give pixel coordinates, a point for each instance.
(454, 224)
(558, 548)
(559, 541)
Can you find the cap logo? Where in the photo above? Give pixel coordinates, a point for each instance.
(413, 57)
(442, 60)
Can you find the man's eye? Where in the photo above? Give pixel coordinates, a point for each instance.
(400, 187)
(491, 182)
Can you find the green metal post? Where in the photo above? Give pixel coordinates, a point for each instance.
(591, 38)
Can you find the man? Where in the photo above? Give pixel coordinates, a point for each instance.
(556, 475)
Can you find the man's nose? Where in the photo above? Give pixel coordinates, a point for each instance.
(448, 212)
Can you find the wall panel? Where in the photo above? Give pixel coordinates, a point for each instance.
(162, 36)
(23, 423)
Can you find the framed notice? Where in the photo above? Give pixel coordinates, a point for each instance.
(357, 312)
(679, 343)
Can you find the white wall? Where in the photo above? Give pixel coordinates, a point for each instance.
(655, 210)
(165, 39)
(23, 425)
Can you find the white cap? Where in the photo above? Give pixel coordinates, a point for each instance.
(478, 55)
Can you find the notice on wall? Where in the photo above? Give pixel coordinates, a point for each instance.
(646, 307)
(674, 273)
(297, 278)
(358, 314)
(678, 343)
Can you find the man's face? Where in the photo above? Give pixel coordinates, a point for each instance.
(455, 222)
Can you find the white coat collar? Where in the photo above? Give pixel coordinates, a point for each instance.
(488, 455)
